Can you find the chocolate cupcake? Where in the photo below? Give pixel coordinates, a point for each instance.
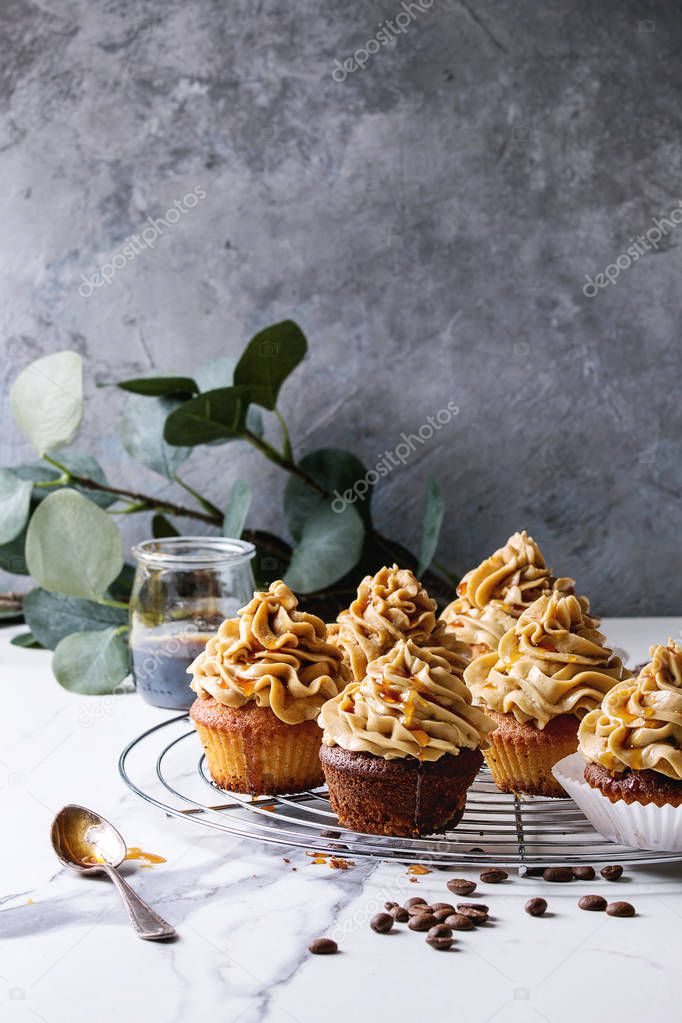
(551, 668)
(493, 596)
(260, 684)
(633, 742)
(401, 748)
(390, 606)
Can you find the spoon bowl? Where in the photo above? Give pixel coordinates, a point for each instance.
(89, 844)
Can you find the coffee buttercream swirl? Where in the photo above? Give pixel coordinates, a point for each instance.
(494, 595)
(410, 704)
(271, 654)
(390, 606)
(552, 662)
(639, 724)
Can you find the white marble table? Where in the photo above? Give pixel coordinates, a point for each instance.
(245, 916)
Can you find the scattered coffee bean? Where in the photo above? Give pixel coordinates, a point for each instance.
(323, 947)
(536, 907)
(400, 914)
(476, 915)
(440, 938)
(459, 922)
(594, 903)
(442, 905)
(460, 886)
(441, 914)
(477, 907)
(381, 923)
(614, 872)
(388, 906)
(421, 907)
(559, 874)
(494, 876)
(583, 873)
(531, 871)
(423, 922)
(415, 902)
(620, 909)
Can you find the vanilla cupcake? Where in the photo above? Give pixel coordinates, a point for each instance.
(401, 747)
(633, 742)
(390, 606)
(493, 596)
(551, 668)
(260, 684)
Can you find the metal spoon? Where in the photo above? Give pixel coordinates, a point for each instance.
(88, 843)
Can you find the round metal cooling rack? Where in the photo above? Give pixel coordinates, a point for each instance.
(496, 828)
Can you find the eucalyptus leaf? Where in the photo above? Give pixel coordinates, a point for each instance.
(122, 586)
(161, 387)
(215, 415)
(77, 462)
(141, 431)
(91, 663)
(13, 555)
(268, 360)
(26, 639)
(161, 527)
(333, 469)
(434, 509)
(330, 546)
(52, 616)
(219, 372)
(47, 400)
(72, 546)
(238, 509)
(15, 499)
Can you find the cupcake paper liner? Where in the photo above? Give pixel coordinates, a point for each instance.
(651, 827)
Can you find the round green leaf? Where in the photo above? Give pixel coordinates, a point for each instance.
(91, 663)
(240, 502)
(15, 498)
(330, 546)
(141, 431)
(219, 372)
(47, 400)
(336, 471)
(72, 546)
(52, 616)
(215, 415)
(161, 387)
(434, 509)
(268, 360)
(13, 555)
(26, 639)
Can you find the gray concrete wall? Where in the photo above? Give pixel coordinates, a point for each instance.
(429, 220)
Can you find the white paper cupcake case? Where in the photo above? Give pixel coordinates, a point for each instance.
(656, 828)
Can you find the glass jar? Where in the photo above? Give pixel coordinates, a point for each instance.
(184, 587)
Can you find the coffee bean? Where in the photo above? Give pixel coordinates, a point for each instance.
(531, 871)
(381, 923)
(388, 906)
(614, 872)
(440, 938)
(477, 907)
(594, 903)
(323, 947)
(400, 915)
(620, 909)
(421, 907)
(494, 876)
(459, 922)
(476, 915)
(415, 902)
(583, 873)
(422, 922)
(559, 874)
(536, 907)
(442, 905)
(460, 886)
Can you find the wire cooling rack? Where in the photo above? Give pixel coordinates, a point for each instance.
(166, 767)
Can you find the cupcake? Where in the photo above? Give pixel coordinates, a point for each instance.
(401, 747)
(633, 742)
(260, 684)
(390, 606)
(493, 596)
(551, 668)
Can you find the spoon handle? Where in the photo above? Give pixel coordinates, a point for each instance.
(147, 923)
